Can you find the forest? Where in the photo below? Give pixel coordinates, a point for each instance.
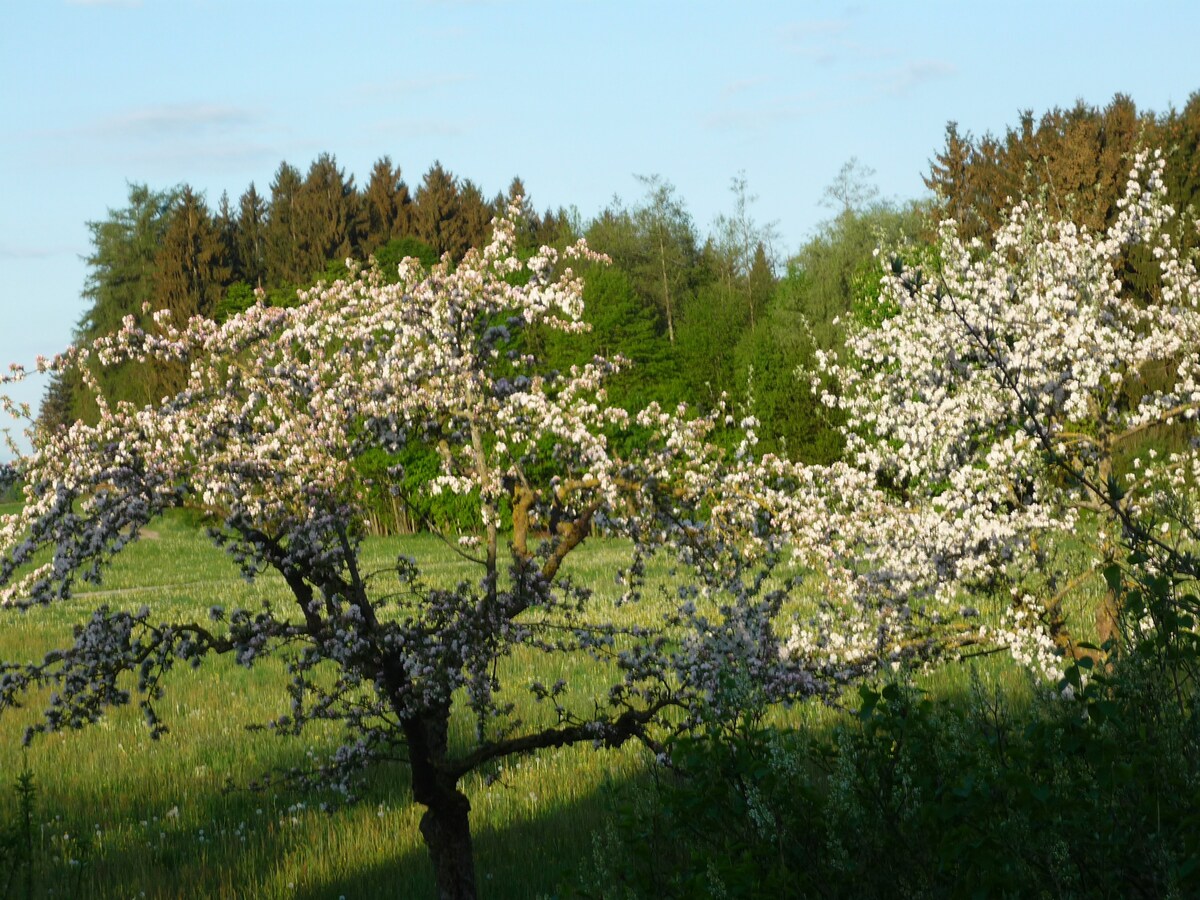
(699, 314)
(868, 570)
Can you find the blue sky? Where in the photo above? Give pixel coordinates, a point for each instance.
(574, 96)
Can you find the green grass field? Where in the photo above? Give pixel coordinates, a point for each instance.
(120, 815)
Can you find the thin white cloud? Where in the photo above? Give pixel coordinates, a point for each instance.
(912, 75)
(420, 84)
(29, 251)
(743, 85)
(231, 155)
(128, 4)
(829, 41)
(157, 122)
(176, 135)
(811, 29)
(821, 40)
(423, 128)
(761, 116)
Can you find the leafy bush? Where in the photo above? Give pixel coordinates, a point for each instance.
(1092, 791)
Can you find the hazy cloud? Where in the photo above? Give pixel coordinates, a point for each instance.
(178, 134)
(26, 251)
(829, 41)
(231, 155)
(821, 40)
(155, 122)
(113, 3)
(761, 116)
(912, 75)
(814, 28)
(424, 128)
(742, 85)
(420, 84)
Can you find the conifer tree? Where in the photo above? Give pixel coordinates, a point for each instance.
(124, 246)
(250, 243)
(386, 206)
(226, 224)
(282, 263)
(761, 280)
(191, 267)
(326, 216)
(120, 282)
(950, 179)
(436, 219)
(476, 214)
(191, 272)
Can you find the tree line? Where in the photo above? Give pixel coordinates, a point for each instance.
(699, 315)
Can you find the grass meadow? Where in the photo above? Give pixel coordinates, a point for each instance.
(119, 815)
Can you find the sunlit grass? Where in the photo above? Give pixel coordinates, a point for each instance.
(119, 814)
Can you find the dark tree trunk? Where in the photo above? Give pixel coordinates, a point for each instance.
(447, 832)
(446, 824)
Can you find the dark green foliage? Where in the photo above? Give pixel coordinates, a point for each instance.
(621, 325)
(239, 297)
(390, 255)
(249, 255)
(18, 838)
(226, 224)
(190, 273)
(191, 267)
(396, 484)
(834, 276)
(710, 323)
(58, 403)
(770, 360)
(281, 229)
(977, 796)
(124, 248)
(436, 219)
(387, 207)
(326, 218)
(10, 484)
(123, 264)
(1090, 788)
(475, 216)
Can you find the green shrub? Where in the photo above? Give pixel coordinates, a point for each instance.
(1092, 790)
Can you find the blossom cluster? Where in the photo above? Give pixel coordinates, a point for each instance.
(279, 405)
(993, 405)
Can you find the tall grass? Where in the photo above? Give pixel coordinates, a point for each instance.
(120, 815)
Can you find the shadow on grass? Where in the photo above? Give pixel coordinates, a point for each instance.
(126, 838)
(541, 856)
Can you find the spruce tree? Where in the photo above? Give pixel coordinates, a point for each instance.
(226, 224)
(436, 219)
(476, 215)
(281, 258)
(120, 282)
(387, 206)
(326, 217)
(191, 266)
(191, 273)
(251, 237)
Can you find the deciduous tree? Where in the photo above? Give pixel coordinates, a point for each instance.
(279, 405)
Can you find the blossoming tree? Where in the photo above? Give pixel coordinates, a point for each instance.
(1007, 390)
(278, 405)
